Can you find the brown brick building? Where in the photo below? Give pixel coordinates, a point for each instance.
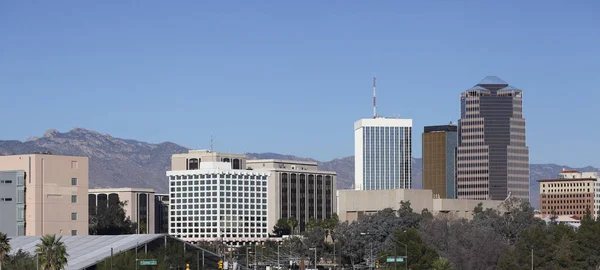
(571, 193)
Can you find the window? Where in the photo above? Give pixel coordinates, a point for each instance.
(73, 198)
(73, 181)
(73, 216)
(73, 232)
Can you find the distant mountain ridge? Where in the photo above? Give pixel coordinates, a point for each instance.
(116, 162)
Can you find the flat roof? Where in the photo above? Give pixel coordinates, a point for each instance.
(567, 179)
(123, 189)
(301, 162)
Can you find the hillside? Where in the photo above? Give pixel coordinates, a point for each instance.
(116, 162)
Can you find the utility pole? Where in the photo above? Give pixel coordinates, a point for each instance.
(532, 259)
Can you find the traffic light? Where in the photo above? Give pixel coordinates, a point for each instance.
(377, 264)
(187, 266)
(220, 264)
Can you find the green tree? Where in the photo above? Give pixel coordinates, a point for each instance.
(52, 253)
(282, 227)
(4, 248)
(420, 255)
(293, 223)
(110, 219)
(20, 260)
(441, 264)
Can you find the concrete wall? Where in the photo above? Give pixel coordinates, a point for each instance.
(352, 204)
(49, 191)
(180, 162)
(8, 202)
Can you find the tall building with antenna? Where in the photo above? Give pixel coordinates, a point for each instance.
(382, 151)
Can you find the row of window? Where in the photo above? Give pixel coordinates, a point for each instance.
(567, 185)
(225, 218)
(216, 236)
(221, 182)
(214, 175)
(228, 206)
(565, 202)
(222, 212)
(233, 226)
(5, 181)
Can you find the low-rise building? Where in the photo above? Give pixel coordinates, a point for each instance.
(43, 194)
(298, 189)
(139, 204)
(572, 193)
(353, 204)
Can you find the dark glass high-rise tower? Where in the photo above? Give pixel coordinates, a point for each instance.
(492, 155)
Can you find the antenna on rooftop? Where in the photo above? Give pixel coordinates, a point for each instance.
(211, 142)
(374, 97)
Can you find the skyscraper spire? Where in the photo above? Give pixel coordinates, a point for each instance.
(374, 97)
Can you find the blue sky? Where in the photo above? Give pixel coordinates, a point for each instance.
(292, 76)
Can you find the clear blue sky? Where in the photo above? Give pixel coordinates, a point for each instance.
(293, 77)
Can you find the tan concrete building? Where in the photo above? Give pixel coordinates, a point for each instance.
(55, 193)
(352, 204)
(298, 189)
(140, 204)
(193, 159)
(571, 193)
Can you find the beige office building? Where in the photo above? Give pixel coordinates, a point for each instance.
(353, 204)
(298, 189)
(53, 192)
(139, 205)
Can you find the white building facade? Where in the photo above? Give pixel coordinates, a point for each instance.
(218, 203)
(383, 153)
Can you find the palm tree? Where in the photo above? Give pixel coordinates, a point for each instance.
(441, 264)
(52, 253)
(4, 247)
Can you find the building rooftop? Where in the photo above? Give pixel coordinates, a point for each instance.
(123, 189)
(442, 128)
(567, 179)
(510, 87)
(476, 87)
(86, 251)
(492, 80)
(301, 162)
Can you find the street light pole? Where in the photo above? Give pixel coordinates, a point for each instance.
(405, 253)
(315, 249)
(278, 265)
(371, 252)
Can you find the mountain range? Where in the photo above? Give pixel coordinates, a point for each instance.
(116, 162)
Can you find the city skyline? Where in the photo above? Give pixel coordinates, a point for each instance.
(143, 57)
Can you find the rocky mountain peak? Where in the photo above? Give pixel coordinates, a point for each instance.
(51, 133)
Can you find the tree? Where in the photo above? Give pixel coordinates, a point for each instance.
(52, 253)
(4, 247)
(441, 264)
(420, 255)
(20, 260)
(282, 227)
(293, 223)
(110, 219)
